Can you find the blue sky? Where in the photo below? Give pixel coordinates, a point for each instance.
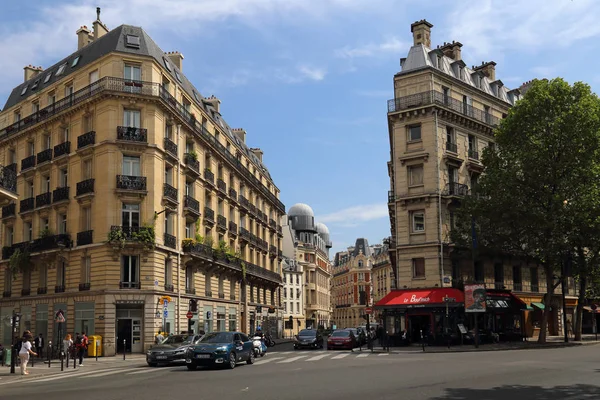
(309, 79)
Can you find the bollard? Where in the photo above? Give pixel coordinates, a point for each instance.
(68, 358)
(97, 347)
(74, 360)
(49, 351)
(62, 361)
(13, 360)
(124, 351)
(32, 358)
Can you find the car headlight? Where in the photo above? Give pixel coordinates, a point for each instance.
(222, 349)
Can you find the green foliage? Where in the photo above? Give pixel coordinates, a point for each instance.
(19, 262)
(46, 233)
(243, 265)
(208, 241)
(188, 242)
(145, 235)
(194, 155)
(116, 237)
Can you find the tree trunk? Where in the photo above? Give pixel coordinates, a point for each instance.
(582, 289)
(547, 300)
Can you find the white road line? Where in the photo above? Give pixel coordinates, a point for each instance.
(340, 356)
(319, 357)
(146, 371)
(383, 354)
(64, 376)
(287, 352)
(267, 360)
(119, 371)
(289, 360)
(362, 355)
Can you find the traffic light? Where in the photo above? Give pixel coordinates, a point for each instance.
(193, 305)
(258, 309)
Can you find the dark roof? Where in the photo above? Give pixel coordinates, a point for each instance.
(361, 244)
(115, 41)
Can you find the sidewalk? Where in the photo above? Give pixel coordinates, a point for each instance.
(41, 368)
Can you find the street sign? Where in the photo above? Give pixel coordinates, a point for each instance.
(369, 310)
(189, 315)
(165, 302)
(156, 282)
(165, 313)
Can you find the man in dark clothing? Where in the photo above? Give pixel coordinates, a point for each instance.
(81, 343)
(39, 345)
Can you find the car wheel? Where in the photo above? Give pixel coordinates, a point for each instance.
(232, 360)
(262, 354)
(192, 366)
(151, 364)
(250, 360)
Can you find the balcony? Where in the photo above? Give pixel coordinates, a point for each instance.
(209, 215)
(189, 290)
(42, 290)
(474, 154)
(6, 293)
(208, 293)
(46, 243)
(8, 183)
(132, 233)
(59, 289)
(87, 139)
(60, 194)
(170, 147)
(221, 185)
(391, 196)
(191, 162)
(517, 287)
(438, 98)
(85, 237)
(85, 187)
(456, 189)
(272, 224)
(221, 223)
(169, 288)
(191, 206)
(85, 286)
(246, 235)
(233, 228)
(9, 210)
(209, 177)
(132, 134)
(453, 147)
(28, 162)
(221, 295)
(170, 241)
(25, 292)
(127, 182)
(129, 285)
(170, 193)
(232, 297)
(279, 230)
(272, 251)
(233, 194)
(42, 200)
(44, 156)
(62, 149)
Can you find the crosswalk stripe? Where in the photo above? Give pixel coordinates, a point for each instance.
(63, 376)
(146, 371)
(316, 358)
(289, 360)
(383, 354)
(287, 352)
(102, 374)
(340, 356)
(362, 355)
(267, 360)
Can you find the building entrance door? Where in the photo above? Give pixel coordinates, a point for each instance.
(124, 333)
(418, 323)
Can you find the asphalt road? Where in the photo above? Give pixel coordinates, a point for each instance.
(551, 374)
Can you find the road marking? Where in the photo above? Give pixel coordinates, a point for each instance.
(289, 360)
(362, 355)
(383, 354)
(102, 374)
(340, 356)
(64, 376)
(316, 358)
(268, 360)
(145, 371)
(287, 352)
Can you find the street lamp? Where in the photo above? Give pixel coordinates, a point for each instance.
(446, 320)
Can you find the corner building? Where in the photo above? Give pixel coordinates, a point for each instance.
(442, 117)
(133, 190)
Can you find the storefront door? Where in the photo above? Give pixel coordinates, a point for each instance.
(419, 324)
(124, 334)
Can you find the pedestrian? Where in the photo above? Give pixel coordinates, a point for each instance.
(39, 345)
(81, 343)
(67, 344)
(158, 338)
(25, 352)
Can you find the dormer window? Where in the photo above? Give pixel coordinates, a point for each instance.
(75, 61)
(440, 62)
(24, 90)
(47, 78)
(61, 69)
(178, 76)
(196, 96)
(167, 64)
(35, 84)
(132, 41)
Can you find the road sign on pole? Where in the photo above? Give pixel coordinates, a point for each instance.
(369, 310)
(189, 315)
(165, 314)
(165, 302)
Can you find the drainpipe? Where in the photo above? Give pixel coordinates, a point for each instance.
(439, 192)
(177, 312)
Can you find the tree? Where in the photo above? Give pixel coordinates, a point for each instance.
(526, 203)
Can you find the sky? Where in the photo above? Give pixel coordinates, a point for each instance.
(309, 79)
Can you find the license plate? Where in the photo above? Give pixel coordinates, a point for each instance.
(202, 355)
(161, 357)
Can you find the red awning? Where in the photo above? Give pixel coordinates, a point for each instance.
(421, 298)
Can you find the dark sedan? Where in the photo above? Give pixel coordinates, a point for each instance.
(171, 350)
(341, 339)
(308, 338)
(220, 349)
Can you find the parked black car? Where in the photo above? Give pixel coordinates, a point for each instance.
(308, 338)
(172, 349)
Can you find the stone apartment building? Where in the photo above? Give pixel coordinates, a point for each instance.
(136, 198)
(293, 301)
(382, 273)
(307, 242)
(441, 119)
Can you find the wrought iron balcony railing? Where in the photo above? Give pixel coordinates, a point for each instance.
(27, 162)
(233, 228)
(42, 290)
(41, 200)
(456, 189)
(244, 201)
(129, 285)
(132, 134)
(85, 286)
(27, 205)
(170, 240)
(127, 182)
(170, 147)
(44, 156)
(169, 287)
(85, 237)
(170, 192)
(221, 185)
(86, 186)
(474, 154)
(60, 194)
(87, 139)
(209, 176)
(221, 222)
(191, 204)
(9, 210)
(192, 162)
(272, 223)
(62, 149)
(453, 147)
(59, 289)
(209, 214)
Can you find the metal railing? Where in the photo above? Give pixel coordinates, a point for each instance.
(191, 162)
(27, 162)
(62, 149)
(434, 97)
(128, 231)
(474, 154)
(85, 237)
(233, 228)
(170, 147)
(233, 194)
(191, 204)
(85, 286)
(41, 200)
(60, 194)
(132, 134)
(9, 210)
(84, 187)
(27, 205)
(221, 185)
(221, 222)
(456, 189)
(44, 156)
(169, 192)
(170, 240)
(209, 214)
(87, 139)
(453, 147)
(209, 176)
(128, 182)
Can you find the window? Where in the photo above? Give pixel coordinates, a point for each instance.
(178, 76)
(94, 76)
(9, 238)
(45, 184)
(131, 118)
(479, 272)
(132, 41)
(221, 319)
(27, 231)
(440, 61)
(534, 279)
(86, 269)
(189, 230)
(35, 107)
(63, 177)
(492, 146)
(196, 96)
(8, 280)
(221, 287)
(450, 137)
(17, 116)
(29, 189)
(86, 168)
(61, 69)
(35, 84)
(498, 275)
(24, 90)
(132, 74)
(131, 166)
(414, 133)
(291, 293)
(75, 61)
(207, 284)
(168, 272)
(232, 319)
(418, 266)
(456, 277)
(415, 175)
(189, 279)
(47, 78)
(517, 278)
(168, 131)
(474, 180)
(167, 64)
(297, 308)
(129, 272)
(62, 223)
(86, 219)
(130, 215)
(452, 175)
(472, 144)
(51, 98)
(168, 175)
(418, 221)
(61, 275)
(43, 278)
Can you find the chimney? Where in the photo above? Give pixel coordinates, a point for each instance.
(488, 69)
(240, 133)
(214, 102)
(176, 58)
(452, 50)
(30, 71)
(258, 153)
(99, 28)
(83, 37)
(421, 31)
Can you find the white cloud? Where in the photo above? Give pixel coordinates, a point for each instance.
(247, 75)
(544, 71)
(357, 214)
(391, 45)
(312, 73)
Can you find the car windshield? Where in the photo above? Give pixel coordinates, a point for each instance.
(307, 332)
(177, 339)
(341, 334)
(218, 337)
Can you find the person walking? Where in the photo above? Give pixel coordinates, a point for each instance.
(39, 345)
(81, 344)
(25, 352)
(158, 338)
(67, 345)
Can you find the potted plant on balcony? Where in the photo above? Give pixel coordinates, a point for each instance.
(19, 262)
(187, 244)
(116, 237)
(208, 241)
(44, 233)
(222, 250)
(193, 155)
(146, 236)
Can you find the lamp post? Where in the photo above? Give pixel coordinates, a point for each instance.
(446, 320)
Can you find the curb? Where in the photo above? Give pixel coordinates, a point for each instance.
(430, 350)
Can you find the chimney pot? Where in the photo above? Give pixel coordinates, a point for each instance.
(176, 58)
(421, 31)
